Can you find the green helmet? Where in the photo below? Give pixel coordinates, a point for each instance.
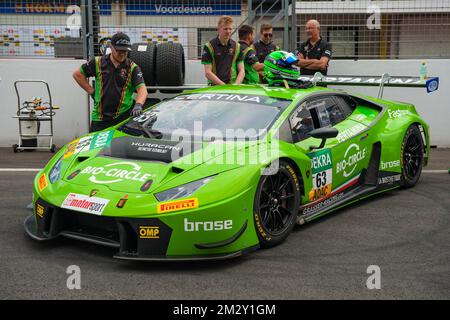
(279, 66)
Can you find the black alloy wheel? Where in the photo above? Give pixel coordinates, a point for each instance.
(412, 156)
(276, 205)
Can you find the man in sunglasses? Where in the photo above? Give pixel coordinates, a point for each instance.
(315, 53)
(116, 79)
(264, 45)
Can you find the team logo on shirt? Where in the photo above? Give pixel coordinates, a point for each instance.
(123, 73)
(231, 51)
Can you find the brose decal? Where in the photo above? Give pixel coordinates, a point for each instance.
(82, 203)
(390, 164)
(207, 225)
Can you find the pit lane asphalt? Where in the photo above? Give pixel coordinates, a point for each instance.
(405, 232)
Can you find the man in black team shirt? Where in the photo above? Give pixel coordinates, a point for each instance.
(116, 79)
(315, 53)
(222, 56)
(264, 45)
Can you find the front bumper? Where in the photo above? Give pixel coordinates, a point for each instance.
(146, 239)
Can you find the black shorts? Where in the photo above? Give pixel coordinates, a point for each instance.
(101, 125)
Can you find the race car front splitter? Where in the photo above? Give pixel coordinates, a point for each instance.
(144, 239)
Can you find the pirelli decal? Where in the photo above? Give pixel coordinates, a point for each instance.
(177, 205)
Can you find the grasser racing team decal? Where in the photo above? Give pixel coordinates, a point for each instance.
(82, 203)
(322, 174)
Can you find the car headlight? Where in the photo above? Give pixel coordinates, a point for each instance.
(56, 171)
(184, 190)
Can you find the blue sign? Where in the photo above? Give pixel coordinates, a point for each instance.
(183, 9)
(45, 7)
(432, 84)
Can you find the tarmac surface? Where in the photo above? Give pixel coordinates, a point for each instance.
(406, 233)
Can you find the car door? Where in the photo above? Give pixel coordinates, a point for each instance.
(342, 159)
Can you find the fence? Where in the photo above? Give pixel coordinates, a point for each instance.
(357, 29)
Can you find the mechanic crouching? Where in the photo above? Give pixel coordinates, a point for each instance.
(116, 79)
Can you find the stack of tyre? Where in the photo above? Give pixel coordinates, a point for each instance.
(161, 64)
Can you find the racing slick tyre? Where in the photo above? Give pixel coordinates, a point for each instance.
(276, 204)
(411, 157)
(144, 55)
(170, 66)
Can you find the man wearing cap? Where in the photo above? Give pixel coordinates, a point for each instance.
(116, 79)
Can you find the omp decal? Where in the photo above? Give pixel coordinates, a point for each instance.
(82, 203)
(350, 132)
(353, 155)
(42, 182)
(109, 171)
(40, 211)
(207, 225)
(322, 177)
(390, 164)
(149, 232)
(333, 197)
(177, 205)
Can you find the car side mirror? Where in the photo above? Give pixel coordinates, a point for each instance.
(324, 134)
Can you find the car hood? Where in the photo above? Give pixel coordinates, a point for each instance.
(136, 165)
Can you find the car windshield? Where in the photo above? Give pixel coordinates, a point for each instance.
(208, 117)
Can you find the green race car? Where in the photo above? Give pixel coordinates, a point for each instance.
(221, 171)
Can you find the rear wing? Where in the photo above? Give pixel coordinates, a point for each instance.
(431, 84)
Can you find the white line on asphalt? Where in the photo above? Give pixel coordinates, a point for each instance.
(20, 169)
(435, 171)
